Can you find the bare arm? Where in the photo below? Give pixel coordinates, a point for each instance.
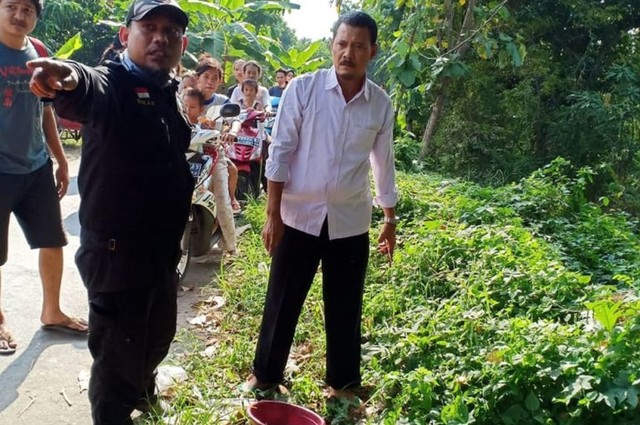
(273, 227)
(265, 99)
(231, 135)
(52, 138)
(387, 238)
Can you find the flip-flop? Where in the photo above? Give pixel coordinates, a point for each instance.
(7, 351)
(66, 328)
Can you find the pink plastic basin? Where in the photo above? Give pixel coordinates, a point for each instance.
(269, 412)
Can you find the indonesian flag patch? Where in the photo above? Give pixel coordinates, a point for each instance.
(142, 92)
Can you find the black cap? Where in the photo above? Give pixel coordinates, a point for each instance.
(140, 8)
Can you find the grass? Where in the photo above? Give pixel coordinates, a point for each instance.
(490, 314)
(69, 142)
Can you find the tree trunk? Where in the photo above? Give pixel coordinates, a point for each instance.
(460, 49)
(436, 111)
(467, 26)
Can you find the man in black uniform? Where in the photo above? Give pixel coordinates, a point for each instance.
(135, 187)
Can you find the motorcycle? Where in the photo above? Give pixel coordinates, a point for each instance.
(205, 225)
(271, 119)
(246, 154)
(268, 126)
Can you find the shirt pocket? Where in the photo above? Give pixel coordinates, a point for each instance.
(362, 137)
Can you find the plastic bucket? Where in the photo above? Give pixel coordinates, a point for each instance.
(269, 412)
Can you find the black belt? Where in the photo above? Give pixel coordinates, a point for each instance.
(99, 241)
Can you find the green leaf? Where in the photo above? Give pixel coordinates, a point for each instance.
(632, 397)
(522, 49)
(264, 5)
(402, 47)
(432, 224)
(272, 5)
(389, 62)
(455, 69)
(455, 413)
(214, 44)
(606, 313)
(73, 44)
(532, 403)
(415, 62)
(513, 415)
(615, 396)
(232, 4)
(243, 39)
(584, 279)
(438, 66)
(306, 54)
(212, 10)
(515, 54)
(407, 77)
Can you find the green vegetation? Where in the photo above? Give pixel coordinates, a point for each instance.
(516, 305)
(513, 299)
(225, 29)
(493, 90)
(484, 90)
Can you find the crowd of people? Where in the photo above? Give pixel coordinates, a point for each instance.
(199, 91)
(333, 128)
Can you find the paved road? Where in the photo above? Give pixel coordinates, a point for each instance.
(42, 383)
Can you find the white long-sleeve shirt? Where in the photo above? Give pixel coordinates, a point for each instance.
(323, 149)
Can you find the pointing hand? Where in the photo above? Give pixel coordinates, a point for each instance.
(50, 76)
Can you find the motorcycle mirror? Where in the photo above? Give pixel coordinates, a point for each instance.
(230, 110)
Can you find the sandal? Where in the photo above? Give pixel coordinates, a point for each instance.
(7, 344)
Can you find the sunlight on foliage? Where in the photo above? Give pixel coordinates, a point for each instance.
(488, 315)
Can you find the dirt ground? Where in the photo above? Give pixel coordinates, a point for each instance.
(45, 381)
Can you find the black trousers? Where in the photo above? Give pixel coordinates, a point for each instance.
(294, 264)
(130, 334)
(132, 290)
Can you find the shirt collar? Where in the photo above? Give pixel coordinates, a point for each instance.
(157, 78)
(211, 100)
(332, 82)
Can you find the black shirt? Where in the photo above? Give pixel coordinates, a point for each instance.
(134, 180)
(276, 91)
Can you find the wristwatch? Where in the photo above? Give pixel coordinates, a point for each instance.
(391, 220)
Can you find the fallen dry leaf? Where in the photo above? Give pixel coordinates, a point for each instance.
(209, 352)
(198, 320)
(83, 380)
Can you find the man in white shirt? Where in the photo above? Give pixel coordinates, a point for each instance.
(333, 127)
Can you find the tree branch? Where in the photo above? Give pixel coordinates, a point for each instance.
(494, 12)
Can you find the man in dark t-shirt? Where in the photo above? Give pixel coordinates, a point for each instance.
(281, 83)
(28, 189)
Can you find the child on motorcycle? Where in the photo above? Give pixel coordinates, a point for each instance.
(250, 93)
(187, 81)
(208, 78)
(193, 101)
(249, 102)
(253, 71)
